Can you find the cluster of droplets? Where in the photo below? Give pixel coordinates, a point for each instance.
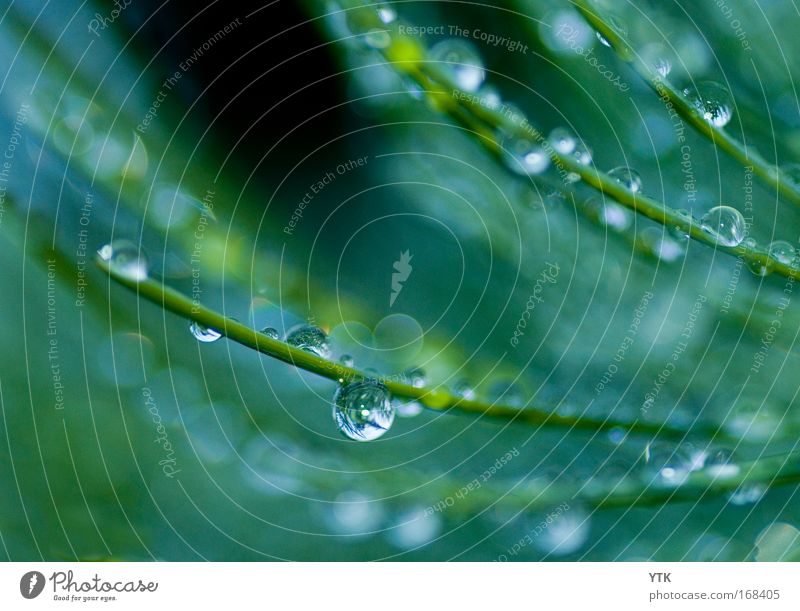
(670, 466)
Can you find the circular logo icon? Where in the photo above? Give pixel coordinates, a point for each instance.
(31, 584)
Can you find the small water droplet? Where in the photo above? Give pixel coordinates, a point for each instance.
(720, 463)
(783, 252)
(628, 178)
(562, 140)
(125, 259)
(463, 389)
(461, 62)
(491, 97)
(725, 224)
(363, 410)
(712, 101)
(609, 214)
(386, 14)
(667, 465)
(619, 28)
(678, 234)
(202, 333)
(760, 269)
(270, 332)
(747, 494)
(524, 156)
(377, 39)
(309, 338)
(661, 245)
(582, 153)
(791, 172)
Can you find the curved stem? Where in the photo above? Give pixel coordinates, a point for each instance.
(435, 399)
(428, 77)
(771, 175)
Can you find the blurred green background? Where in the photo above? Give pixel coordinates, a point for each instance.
(248, 464)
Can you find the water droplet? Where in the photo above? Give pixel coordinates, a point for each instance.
(628, 178)
(791, 172)
(414, 528)
(783, 252)
(386, 14)
(562, 140)
(661, 245)
(463, 389)
(725, 224)
(491, 97)
(408, 408)
(309, 338)
(663, 66)
(377, 39)
(747, 494)
(760, 269)
(202, 333)
(363, 410)
(563, 532)
(667, 465)
(678, 234)
(720, 463)
(271, 332)
(524, 156)
(353, 513)
(619, 28)
(712, 101)
(461, 62)
(582, 153)
(125, 259)
(369, 23)
(347, 360)
(610, 214)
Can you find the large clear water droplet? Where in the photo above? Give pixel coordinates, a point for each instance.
(712, 101)
(725, 224)
(202, 333)
(461, 62)
(562, 140)
(628, 178)
(363, 410)
(125, 259)
(309, 338)
(524, 156)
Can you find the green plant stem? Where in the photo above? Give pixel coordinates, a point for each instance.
(767, 172)
(636, 489)
(649, 207)
(435, 399)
